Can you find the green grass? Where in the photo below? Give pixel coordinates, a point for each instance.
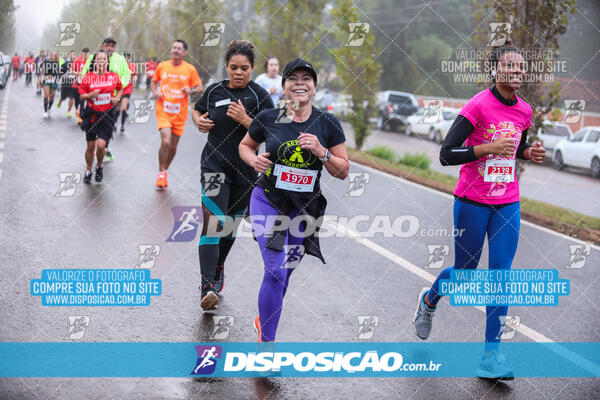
(556, 213)
(560, 214)
(419, 160)
(383, 153)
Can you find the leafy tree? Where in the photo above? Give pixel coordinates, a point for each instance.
(7, 24)
(357, 67)
(288, 30)
(188, 18)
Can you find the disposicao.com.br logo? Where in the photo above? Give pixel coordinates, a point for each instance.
(370, 361)
(292, 359)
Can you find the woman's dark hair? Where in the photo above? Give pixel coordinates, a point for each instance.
(497, 52)
(242, 47)
(93, 63)
(269, 58)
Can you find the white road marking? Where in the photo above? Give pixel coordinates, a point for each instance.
(407, 265)
(449, 196)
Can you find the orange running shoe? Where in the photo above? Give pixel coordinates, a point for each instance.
(166, 178)
(161, 180)
(257, 328)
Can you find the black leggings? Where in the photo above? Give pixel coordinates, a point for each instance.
(220, 200)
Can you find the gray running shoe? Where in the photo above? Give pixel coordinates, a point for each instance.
(423, 317)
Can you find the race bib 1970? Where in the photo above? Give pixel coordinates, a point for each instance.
(295, 179)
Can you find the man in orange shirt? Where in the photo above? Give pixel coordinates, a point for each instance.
(178, 79)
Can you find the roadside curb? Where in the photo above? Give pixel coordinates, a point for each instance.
(574, 231)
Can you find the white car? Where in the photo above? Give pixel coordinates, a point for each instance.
(434, 128)
(582, 150)
(552, 133)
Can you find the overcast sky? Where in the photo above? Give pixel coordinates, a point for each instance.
(31, 17)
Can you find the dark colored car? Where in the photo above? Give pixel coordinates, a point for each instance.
(394, 107)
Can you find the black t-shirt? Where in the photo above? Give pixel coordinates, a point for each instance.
(50, 69)
(281, 138)
(221, 152)
(67, 76)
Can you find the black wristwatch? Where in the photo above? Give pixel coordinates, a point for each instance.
(327, 156)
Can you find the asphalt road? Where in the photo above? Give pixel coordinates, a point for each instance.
(102, 226)
(571, 188)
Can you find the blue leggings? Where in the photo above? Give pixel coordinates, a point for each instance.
(502, 228)
(277, 274)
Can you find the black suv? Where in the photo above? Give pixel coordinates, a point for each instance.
(393, 108)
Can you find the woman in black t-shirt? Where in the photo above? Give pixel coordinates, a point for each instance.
(299, 141)
(225, 111)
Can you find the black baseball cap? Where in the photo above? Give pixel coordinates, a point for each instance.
(297, 64)
(109, 40)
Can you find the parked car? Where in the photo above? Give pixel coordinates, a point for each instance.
(341, 105)
(442, 127)
(5, 67)
(582, 150)
(394, 107)
(434, 129)
(323, 98)
(552, 133)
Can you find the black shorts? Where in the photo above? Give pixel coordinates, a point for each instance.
(127, 96)
(67, 91)
(98, 125)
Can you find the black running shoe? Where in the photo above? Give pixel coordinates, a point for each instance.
(210, 300)
(122, 129)
(87, 177)
(99, 174)
(219, 284)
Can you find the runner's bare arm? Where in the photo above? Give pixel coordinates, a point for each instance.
(338, 165)
(154, 88)
(247, 149)
(198, 89)
(201, 121)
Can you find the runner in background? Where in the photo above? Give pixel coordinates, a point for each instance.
(127, 93)
(16, 63)
(101, 89)
(66, 85)
(29, 65)
(178, 80)
(151, 65)
(270, 80)
(486, 138)
(77, 69)
(117, 64)
(50, 74)
(38, 63)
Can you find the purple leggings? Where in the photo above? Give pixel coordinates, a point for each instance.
(277, 274)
